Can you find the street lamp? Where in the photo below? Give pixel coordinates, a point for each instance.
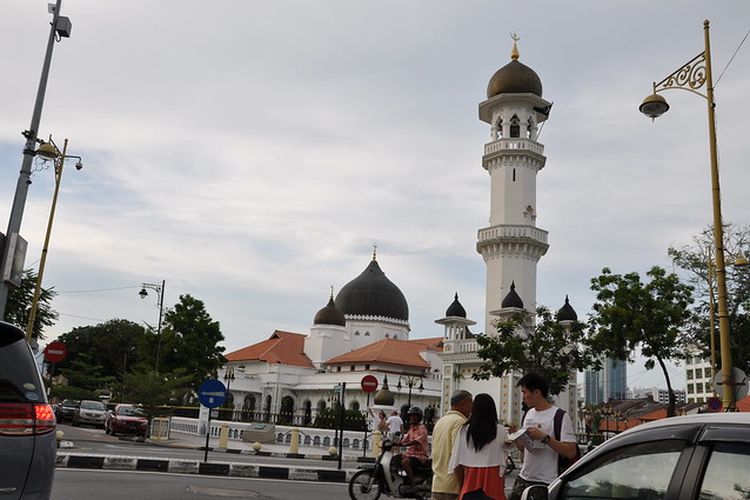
(13, 253)
(410, 381)
(159, 289)
(48, 152)
(228, 377)
(693, 76)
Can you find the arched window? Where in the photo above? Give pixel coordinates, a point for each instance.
(367, 334)
(286, 412)
(515, 126)
(356, 333)
(354, 405)
(500, 128)
(267, 416)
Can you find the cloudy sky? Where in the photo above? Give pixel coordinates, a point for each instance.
(251, 152)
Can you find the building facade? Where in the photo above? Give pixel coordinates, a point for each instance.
(657, 394)
(608, 383)
(698, 378)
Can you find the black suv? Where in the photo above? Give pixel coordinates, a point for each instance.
(27, 423)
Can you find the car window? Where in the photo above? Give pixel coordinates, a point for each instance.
(641, 471)
(727, 475)
(19, 378)
(130, 410)
(93, 405)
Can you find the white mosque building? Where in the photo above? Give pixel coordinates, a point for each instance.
(365, 329)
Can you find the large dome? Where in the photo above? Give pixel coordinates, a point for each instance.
(514, 78)
(372, 294)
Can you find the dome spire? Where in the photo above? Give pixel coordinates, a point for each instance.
(514, 54)
(374, 251)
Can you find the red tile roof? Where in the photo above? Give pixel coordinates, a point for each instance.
(432, 344)
(743, 404)
(390, 351)
(285, 348)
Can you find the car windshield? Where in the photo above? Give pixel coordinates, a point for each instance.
(130, 411)
(93, 405)
(70, 402)
(19, 377)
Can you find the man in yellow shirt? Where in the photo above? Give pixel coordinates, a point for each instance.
(444, 483)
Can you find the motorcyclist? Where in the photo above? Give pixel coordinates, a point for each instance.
(415, 442)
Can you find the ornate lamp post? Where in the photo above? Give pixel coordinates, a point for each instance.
(48, 151)
(228, 377)
(159, 289)
(410, 381)
(694, 76)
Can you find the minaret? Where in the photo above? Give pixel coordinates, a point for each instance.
(512, 244)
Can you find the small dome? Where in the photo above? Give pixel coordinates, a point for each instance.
(330, 315)
(455, 309)
(512, 299)
(566, 312)
(373, 294)
(514, 78)
(384, 397)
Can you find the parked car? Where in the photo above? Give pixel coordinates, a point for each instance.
(90, 412)
(126, 419)
(27, 423)
(66, 409)
(705, 456)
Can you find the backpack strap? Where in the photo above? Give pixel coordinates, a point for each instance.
(559, 414)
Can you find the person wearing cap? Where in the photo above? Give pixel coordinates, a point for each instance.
(415, 442)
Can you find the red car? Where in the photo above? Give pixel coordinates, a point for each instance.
(126, 419)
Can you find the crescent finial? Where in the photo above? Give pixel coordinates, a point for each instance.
(514, 53)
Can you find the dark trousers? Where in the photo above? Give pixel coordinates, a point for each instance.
(521, 484)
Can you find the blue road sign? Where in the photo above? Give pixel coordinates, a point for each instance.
(212, 393)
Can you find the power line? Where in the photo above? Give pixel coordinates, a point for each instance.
(731, 58)
(81, 317)
(96, 290)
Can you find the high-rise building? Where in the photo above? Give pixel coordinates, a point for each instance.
(698, 377)
(608, 383)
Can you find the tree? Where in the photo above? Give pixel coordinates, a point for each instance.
(547, 347)
(190, 340)
(85, 377)
(152, 390)
(697, 259)
(630, 314)
(117, 346)
(19, 305)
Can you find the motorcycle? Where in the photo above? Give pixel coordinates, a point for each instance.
(387, 477)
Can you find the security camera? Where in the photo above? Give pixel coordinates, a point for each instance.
(79, 165)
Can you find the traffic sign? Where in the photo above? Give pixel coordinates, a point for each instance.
(714, 404)
(369, 383)
(55, 352)
(212, 393)
(740, 383)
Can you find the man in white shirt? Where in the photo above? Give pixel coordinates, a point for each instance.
(540, 464)
(395, 424)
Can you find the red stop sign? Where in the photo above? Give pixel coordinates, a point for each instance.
(369, 383)
(55, 352)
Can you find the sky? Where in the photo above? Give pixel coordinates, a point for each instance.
(250, 153)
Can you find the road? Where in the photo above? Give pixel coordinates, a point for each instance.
(72, 484)
(91, 440)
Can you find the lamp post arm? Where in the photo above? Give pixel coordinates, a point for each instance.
(158, 328)
(43, 260)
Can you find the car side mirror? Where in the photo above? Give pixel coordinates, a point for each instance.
(534, 491)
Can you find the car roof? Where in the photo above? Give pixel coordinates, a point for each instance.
(697, 419)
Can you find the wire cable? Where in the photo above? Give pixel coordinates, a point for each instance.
(96, 290)
(731, 59)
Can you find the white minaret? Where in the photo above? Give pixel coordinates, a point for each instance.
(512, 244)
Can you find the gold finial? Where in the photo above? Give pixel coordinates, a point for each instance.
(514, 53)
(374, 251)
(331, 292)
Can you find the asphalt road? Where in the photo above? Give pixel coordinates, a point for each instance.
(92, 440)
(73, 484)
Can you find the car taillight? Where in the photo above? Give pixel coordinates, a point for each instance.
(26, 419)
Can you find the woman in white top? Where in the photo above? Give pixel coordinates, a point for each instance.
(479, 453)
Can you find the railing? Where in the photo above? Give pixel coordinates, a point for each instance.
(513, 144)
(512, 231)
(472, 346)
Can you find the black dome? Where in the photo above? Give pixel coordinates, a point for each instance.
(455, 309)
(514, 78)
(512, 299)
(373, 294)
(566, 312)
(329, 315)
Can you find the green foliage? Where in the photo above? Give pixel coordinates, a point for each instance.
(190, 338)
(630, 315)
(697, 259)
(329, 419)
(87, 374)
(63, 392)
(547, 347)
(19, 305)
(153, 390)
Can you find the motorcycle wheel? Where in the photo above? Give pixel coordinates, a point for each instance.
(364, 486)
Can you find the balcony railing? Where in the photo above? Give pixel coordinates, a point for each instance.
(512, 231)
(513, 144)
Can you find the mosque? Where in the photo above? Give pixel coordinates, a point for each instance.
(365, 329)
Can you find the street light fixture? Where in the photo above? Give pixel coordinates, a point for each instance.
(228, 377)
(159, 289)
(48, 152)
(10, 252)
(693, 76)
(410, 381)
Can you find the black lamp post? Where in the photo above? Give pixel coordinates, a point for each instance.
(410, 381)
(228, 377)
(159, 289)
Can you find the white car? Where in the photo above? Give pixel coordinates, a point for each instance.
(90, 412)
(702, 457)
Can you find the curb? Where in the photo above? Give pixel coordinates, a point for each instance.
(273, 454)
(182, 466)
